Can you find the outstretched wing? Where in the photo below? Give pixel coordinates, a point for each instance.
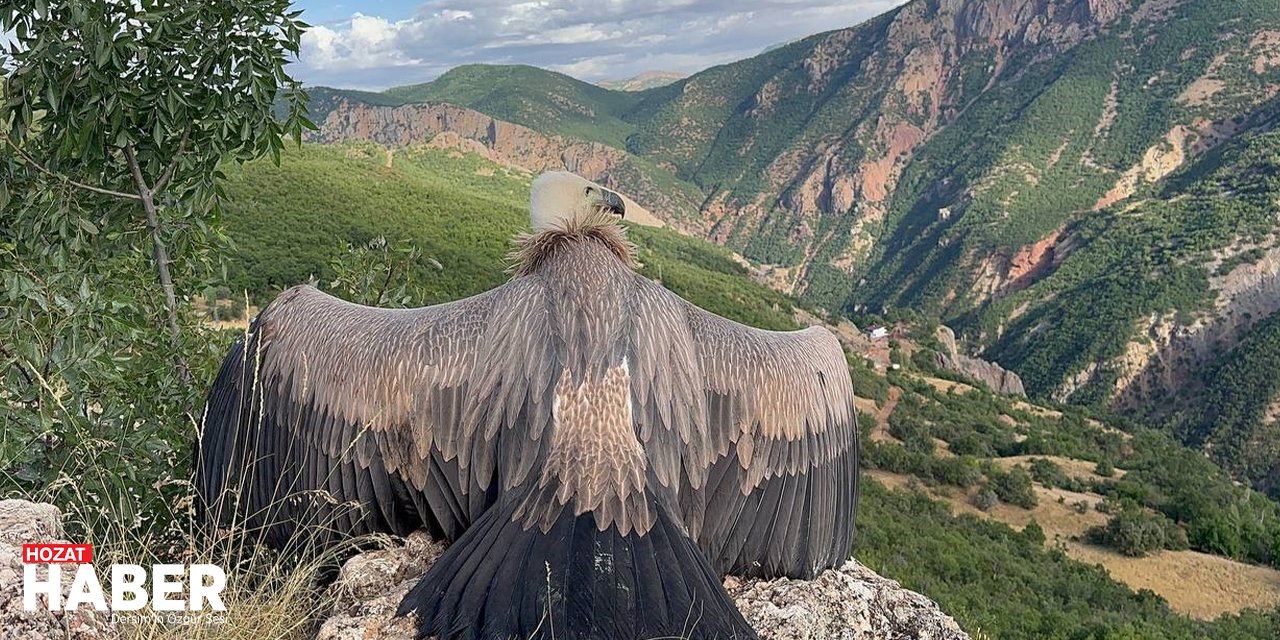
(344, 419)
(770, 471)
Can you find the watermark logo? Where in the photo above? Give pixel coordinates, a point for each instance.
(132, 586)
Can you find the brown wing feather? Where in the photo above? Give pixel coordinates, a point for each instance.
(769, 481)
(357, 419)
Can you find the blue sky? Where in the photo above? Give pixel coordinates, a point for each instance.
(375, 44)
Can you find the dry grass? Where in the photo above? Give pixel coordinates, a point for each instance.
(1037, 410)
(1195, 584)
(266, 596)
(947, 386)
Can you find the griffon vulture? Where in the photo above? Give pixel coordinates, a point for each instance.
(598, 450)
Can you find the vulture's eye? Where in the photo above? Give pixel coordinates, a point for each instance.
(587, 191)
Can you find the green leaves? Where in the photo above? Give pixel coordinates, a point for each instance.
(105, 105)
(196, 81)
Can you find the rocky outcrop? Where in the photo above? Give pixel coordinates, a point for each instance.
(23, 522)
(998, 378)
(848, 603)
(501, 141)
(1157, 162)
(1001, 274)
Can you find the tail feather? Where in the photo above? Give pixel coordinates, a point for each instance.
(573, 581)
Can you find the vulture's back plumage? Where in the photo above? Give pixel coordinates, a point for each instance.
(598, 451)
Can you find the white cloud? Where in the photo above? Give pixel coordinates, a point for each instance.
(589, 39)
(368, 42)
(573, 34)
(454, 15)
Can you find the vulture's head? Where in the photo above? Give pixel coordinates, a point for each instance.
(562, 200)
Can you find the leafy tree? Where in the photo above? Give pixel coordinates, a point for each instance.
(114, 117)
(1135, 532)
(1105, 468)
(1014, 486)
(136, 103)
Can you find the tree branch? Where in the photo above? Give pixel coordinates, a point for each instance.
(28, 160)
(163, 181)
(16, 366)
(161, 255)
(386, 282)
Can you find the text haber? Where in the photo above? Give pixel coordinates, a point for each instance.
(129, 592)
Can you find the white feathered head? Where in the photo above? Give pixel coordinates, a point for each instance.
(561, 200)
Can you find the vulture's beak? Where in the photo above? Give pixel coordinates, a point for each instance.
(612, 203)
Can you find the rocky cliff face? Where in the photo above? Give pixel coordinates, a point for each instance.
(893, 84)
(848, 603)
(1170, 353)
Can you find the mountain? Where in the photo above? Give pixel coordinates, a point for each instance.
(1083, 189)
(646, 80)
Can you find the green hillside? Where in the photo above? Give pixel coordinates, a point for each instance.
(1151, 259)
(536, 98)
(1239, 390)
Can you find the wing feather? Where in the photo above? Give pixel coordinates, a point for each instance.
(766, 430)
(360, 419)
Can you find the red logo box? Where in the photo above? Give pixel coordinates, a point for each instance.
(57, 553)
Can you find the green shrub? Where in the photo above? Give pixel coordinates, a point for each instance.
(1034, 533)
(1014, 486)
(1136, 532)
(1104, 468)
(985, 500)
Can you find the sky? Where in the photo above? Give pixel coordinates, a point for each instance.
(375, 44)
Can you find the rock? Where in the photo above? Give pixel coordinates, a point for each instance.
(852, 602)
(996, 377)
(844, 604)
(23, 522)
(370, 586)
